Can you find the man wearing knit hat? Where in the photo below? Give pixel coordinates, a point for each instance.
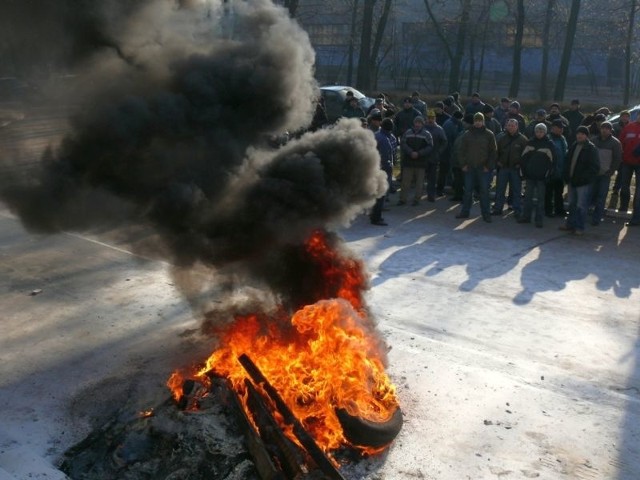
(477, 157)
(537, 164)
(416, 145)
(580, 169)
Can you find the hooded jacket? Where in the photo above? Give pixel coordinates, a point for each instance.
(538, 159)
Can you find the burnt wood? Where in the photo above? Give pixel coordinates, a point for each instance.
(290, 460)
(256, 446)
(309, 444)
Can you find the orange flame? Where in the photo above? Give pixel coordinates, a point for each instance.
(327, 356)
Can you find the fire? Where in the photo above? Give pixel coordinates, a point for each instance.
(326, 356)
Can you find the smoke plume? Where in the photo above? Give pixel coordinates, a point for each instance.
(178, 101)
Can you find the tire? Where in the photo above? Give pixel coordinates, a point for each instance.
(365, 433)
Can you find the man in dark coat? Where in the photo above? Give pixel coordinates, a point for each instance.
(477, 157)
(537, 163)
(580, 169)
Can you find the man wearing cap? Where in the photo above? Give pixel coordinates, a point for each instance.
(477, 157)
(537, 164)
(437, 158)
(575, 118)
(441, 115)
(475, 104)
(630, 139)
(501, 111)
(378, 104)
(510, 143)
(554, 192)
(403, 120)
(580, 169)
(610, 156)
(454, 128)
(594, 127)
(491, 123)
(514, 112)
(541, 117)
(386, 144)
(416, 146)
(353, 110)
(418, 104)
(554, 114)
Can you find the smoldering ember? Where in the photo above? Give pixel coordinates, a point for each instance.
(184, 300)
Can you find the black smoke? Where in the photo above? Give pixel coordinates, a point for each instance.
(179, 100)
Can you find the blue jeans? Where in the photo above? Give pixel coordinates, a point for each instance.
(578, 206)
(532, 187)
(475, 178)
(511, 177)
(627, 172)
(599, 190)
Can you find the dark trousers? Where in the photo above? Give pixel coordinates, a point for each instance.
(553, 197)
(475, 179)
(431, 176)
(444, 174)
(458, 182)
(537, 188)
(376, 211)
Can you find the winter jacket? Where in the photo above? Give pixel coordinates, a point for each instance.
(439, 142)
(403, 120)
(630, 139)
(538, 159)
(609, 153)
(386, 143)
(510, 148)
(477, 149)
(586, 168)
(561, 154)
(416, 141)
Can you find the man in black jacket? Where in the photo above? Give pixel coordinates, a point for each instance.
(536, 164)
(580, 169)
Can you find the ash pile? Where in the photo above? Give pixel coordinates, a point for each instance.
(164, 443)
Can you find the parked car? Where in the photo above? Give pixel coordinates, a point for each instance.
(334, 98)
(634, 111)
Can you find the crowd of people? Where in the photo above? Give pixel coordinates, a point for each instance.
(468, 149)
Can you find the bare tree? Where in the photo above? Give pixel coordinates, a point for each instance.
(627, 47)
(517, 50)
(352, 39)
(455, 56)
(363, 79)
(572, 26)
(545, 48)
(369, 52)
(292, 6)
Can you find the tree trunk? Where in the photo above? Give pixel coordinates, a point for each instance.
(454, 74)
(517, 51)
(382, 25)
(354, 17)
(292, 6)
(363, 79)
(545, 49)
(567, 50)
(627, 53)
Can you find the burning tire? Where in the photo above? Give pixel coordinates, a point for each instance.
(365, 433)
